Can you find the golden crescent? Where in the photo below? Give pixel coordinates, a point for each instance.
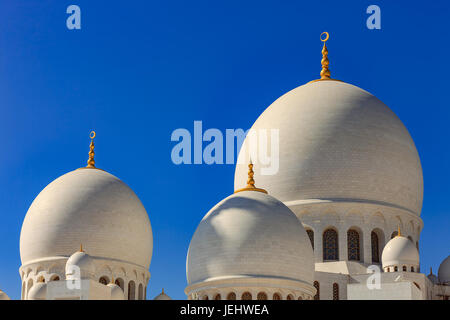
(326, 38)
(92, 135)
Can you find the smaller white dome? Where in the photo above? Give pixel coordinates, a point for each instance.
(400, 251)
(444, 271)
(38, 291)
(80, 266)
(3, 296)
(162, 296)
(116, 292)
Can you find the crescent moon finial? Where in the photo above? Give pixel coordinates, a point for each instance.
(327, 36)
(92, 134)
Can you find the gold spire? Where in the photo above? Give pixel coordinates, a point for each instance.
(250, 181)
(399, 234)
(81, 248)
(162, 292)
(431, 270)
(325, 73)
(112, 280)
(91, 161)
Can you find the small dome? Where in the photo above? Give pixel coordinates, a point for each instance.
(400, 251)
(3, 296)
(250, 234)
(116, 292)
(80, 266)
(92, 207)
(432, 277)
(162, 296)
(444, 271)
(38, 291)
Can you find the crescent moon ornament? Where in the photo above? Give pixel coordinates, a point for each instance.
(327, 36)
(92, 135)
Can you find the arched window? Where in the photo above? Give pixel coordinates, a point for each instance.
(300, 298)
(412, 269)
(231, 296)
(131, 290)
(218, 297)
(140, 292)
(404, 268)
(394, 234)
(353, 245)
(120, 282)
(395, 269)
(375, 247)
(205, 297)
(290, 297)
(317, 286)
(246, 296)
(261, 296)
(311, 236)
(330, 245)
(335, 291)
(103, 280)
(276, 296)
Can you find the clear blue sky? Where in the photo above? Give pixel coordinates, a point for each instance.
(137, 70)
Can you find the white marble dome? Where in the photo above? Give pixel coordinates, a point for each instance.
(3, 296)
(89, 207)
(400, 251)
(250, 234)
(444, 271)
(338, 142)
(80, 266)
(162, 296)
(116, 292)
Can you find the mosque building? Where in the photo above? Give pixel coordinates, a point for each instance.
(340, 220)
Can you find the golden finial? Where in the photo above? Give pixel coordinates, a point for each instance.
(399, 234)
(91, 161)
(325, 73)
(112, 280)
(162, 292)
(250, 181)
(431, 270)
(81, 248)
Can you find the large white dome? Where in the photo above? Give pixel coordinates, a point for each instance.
(89, 207)
(250, 234)
(338, 142)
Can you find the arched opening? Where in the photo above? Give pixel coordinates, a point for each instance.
(330, 245)
(218, 297)
(335, 291)
(141, 292)
(375, 242)
(261, 296)
(412, 269)
(317, 286)
(120, 283)
(410, 239)
(55, 278)
(231, 296)
(131, 290)
(290, 297)
(353, 245)
(311, 237)
(246, 296)
(205, 297)
(41, 279)
(395, 269)
(276, 296)
(300, 298)
(404, 268)
(104, 280)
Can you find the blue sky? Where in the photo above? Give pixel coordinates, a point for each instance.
(137, 70)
